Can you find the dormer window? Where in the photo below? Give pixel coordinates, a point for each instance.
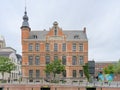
(34, 36)
(76, 37)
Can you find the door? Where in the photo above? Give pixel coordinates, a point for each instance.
(45, 88)
(91, 88)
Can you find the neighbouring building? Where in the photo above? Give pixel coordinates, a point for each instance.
(100, 65)
(19, 63)
(91, 67)
(10, 53)
(43, 46)
(2, 42)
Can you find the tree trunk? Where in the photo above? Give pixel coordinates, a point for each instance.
(2, 75)
(54, 76)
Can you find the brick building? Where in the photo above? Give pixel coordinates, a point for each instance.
(100, 65)
(42, 47)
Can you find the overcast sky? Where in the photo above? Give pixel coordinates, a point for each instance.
(100, 17)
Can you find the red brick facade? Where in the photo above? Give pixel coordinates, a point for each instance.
(53, 37)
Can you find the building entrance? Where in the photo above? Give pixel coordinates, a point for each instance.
(1, 88)
(45, 88)
(91, 88)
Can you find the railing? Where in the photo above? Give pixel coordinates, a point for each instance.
(67, 83)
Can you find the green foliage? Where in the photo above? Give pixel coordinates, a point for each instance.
(6, 65)
(55, 67)
(117, 68)
(112, 69)
(109, 69)
(86, 71)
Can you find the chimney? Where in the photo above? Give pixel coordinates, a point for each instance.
(84, 29)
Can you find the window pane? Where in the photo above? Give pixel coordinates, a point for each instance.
(64, 60)
(30, 60)
(74, 47)
(81, 73)
(47, 75)
(74, 73)
(47, 59)
(64, 47)
(37, 47)
(74, 60)
(37, 73)
(30, 73)
(64, 73)
(81, 47)
(81, 60)
(30, 47)
(55, 57)
(37, 60)
(55, 47)
(47, 47)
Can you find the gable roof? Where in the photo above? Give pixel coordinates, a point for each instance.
(70, 35)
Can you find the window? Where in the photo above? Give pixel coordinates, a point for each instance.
(81, 47)
(81, 73)
(35, 36)
(47, 75)
(64, 47)
(55, 31)
(64, 60)
(30, 73)
(37, 60)
(37, 47)
(76, 37)
(74, 60)
(47, 47)
(55, 57)
(74, 47)
(55, 47)
(47, 59)
(30, 47)
(30, 60)
(37, 74)
(74, 73)
(81, 60)
(64, 73)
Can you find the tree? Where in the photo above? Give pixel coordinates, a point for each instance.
(117, 68)
(109, 69)
(55, 67)
(6, 65)
(86, 71)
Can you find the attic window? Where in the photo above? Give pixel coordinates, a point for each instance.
(76, 37)
(35, 36)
